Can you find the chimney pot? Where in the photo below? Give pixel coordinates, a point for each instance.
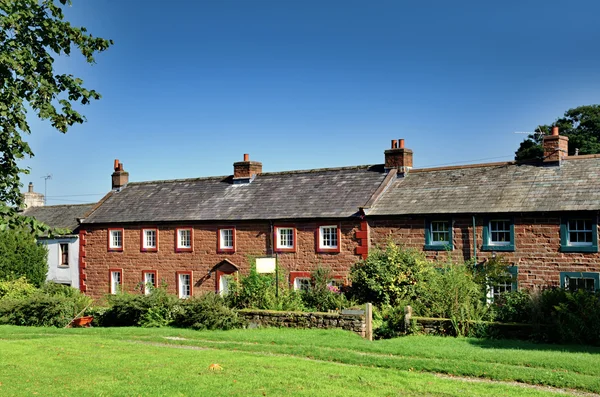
(30, 187)
(555, 131)
(246, 157)
(398, 157)
(116, 167)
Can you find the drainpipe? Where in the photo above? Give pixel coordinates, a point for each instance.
(474, 242)
(271, 248)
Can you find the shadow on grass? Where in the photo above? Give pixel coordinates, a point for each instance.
(526, 345)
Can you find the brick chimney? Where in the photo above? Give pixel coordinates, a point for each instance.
(556, 147)
(120, 177)
(245, 171)
(398, 157)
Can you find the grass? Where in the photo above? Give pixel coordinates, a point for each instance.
(137, 361)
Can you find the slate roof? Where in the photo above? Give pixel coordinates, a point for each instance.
(59, 216)
(495, 188)
(321, 193)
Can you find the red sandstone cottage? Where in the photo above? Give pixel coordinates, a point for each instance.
(542, 217)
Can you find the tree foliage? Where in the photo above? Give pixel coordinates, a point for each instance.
(32, 33)
(580, 124)
(389, 276)
(21, 256)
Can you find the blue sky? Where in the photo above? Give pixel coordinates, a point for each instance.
(189, 86)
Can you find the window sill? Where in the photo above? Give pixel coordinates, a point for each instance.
(115, 249)
(225, 251)
(438, 247)
(284, 250)
(581, 248)
(149, 250)
(503, 248)
(328, 250)
(184, 249)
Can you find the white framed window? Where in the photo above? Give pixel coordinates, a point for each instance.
(302, 283)
(184, 239)
(64, 254)
(115, 239)
(285, 238)
(226, 239)
(184, 285)
(328, 237)
(149, 239)
(149, 281)
(116, 280)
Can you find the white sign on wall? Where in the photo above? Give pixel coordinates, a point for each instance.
(265, 265)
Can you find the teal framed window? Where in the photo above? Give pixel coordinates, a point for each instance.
(438, 234)
(498, 234)
(578, 234)
(580, 280)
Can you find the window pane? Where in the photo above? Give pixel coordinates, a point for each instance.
(329, 237)
(185, 238)
(302, 283)
(580, 231)
(116, 239)
(575, 283)
(150, 238)
(149, 282)
(226, 238)
(184, 285)
(285, 237)
(64, 254)
(440, 232)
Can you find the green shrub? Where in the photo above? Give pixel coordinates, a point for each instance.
(206, 312)
(321, 296)
(258, 291)
(391, 322)
(21, 256)
(452, 292)
(17, 288)
(127, 310)
(513, 307)
(38, 310)
(389, 276)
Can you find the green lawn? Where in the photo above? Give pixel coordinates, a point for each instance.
(136, 361)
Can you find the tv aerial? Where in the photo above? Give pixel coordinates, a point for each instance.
(538, 133)
(46, 177)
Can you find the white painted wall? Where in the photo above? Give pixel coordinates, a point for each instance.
(63, 274)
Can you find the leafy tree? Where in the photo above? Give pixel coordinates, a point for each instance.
(32, 33)
(389, 276)
(21, 256)
(580, 124)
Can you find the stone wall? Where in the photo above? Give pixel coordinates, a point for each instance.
(266, 318)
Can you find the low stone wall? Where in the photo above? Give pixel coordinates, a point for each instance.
(267, 318)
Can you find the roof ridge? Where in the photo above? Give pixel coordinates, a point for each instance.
(222, 177)
(458, 167)
(58, 205)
